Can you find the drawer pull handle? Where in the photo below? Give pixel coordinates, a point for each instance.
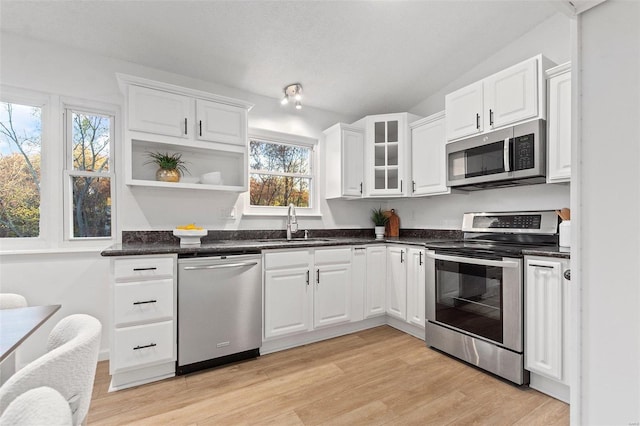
(150, 345)
(146, 301)
(145, 269)
(541, 266)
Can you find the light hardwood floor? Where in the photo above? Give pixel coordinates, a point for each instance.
(374, 377)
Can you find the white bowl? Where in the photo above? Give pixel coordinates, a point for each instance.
(189, 237)
(211, 178)
(189, 179)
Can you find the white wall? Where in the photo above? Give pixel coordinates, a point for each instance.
(609, 212)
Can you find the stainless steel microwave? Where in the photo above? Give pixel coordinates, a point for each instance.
(506, 157)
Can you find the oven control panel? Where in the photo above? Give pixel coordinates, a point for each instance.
(543, 222)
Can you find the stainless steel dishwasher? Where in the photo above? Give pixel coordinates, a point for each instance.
(219, 310)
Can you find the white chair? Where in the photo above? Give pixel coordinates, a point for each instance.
(38, 407)
(8, 366)
(69, 365)
(12, 300)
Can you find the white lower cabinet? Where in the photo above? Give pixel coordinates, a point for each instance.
(546, 325)
(376, 281)
(397, 282)
(306, 289)
(416, 281)
(143, 344)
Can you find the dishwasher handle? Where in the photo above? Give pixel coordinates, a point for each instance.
(221, 266)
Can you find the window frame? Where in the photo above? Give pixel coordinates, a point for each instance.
(270, 136)
(88, 108)
(47, 167)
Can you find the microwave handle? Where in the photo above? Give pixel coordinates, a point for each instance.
(485, 262)
(507, 156)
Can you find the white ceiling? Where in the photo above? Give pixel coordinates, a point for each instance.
(353, 57)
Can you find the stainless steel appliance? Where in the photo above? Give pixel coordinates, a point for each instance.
(474, 289)
(219, 310)
(506, 157)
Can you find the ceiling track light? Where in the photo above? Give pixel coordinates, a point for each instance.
(293, 91)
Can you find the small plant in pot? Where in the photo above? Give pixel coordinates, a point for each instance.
(379, 220)
(170, 166)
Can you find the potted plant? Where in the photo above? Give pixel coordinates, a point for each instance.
(170, 166)
(379, 220)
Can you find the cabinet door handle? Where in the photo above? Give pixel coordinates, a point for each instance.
(144, 302)
(150, 345)
(318, 276)
(145, 269)
(490, 117)
(185, 126)
(541, 266)
(420, 263)
(567, 274)
(477, 121)
(413, 186)
(401, 256)
(400, 185)
(361, 187)
(200, 125)
(307, 277)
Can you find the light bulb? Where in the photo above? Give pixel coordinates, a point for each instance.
(298, 105)
(285, 100)
(298, 97)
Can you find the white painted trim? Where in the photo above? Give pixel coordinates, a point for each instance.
(433, 117)
(558, 70)
(581, 6)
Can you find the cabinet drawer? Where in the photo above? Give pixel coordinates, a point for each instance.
(287, 259)
(137, 302)
(143, 345)
(332, 256)
(136, 268)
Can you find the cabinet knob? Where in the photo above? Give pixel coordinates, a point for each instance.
(567, 274)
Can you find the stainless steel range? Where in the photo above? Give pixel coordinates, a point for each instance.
(474, 289)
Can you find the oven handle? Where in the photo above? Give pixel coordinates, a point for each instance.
(498, 263)
(507, 156)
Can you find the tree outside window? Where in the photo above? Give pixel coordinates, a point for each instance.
(20, 159)
(90, 173)
(280, 174)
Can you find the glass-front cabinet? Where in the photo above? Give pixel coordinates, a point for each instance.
(387, 165)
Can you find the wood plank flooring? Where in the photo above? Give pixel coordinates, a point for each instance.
(379, 376)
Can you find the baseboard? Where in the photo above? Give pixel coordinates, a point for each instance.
(550, 387)
(406, 327)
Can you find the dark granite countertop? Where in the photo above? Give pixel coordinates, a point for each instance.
(239, 242)
(559, 252)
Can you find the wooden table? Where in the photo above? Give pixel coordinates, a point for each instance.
(19, 323)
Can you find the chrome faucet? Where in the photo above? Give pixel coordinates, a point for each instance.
(292, 222)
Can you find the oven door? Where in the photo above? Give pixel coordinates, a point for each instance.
(478, 297)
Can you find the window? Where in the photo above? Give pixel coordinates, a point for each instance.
(89, 174)
(20, 173)
(281, 171)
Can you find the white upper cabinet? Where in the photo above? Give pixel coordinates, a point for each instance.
(344, 161)
(159, 112)
(559, 123)
(510, 96)
(218, 122)
(387, 155)
(464, 110)
(428, 156)
(209, 132)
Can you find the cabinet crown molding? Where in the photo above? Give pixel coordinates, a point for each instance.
(124, 80)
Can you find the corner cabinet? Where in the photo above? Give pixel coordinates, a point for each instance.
(344, 161)
(428, 156)
(546, 325)
(209, 131)
(387, 154)
(559, 123)
(142, 339)
(513, 95)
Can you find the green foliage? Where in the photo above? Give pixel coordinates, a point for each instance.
(378, 217)
(168, 161)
